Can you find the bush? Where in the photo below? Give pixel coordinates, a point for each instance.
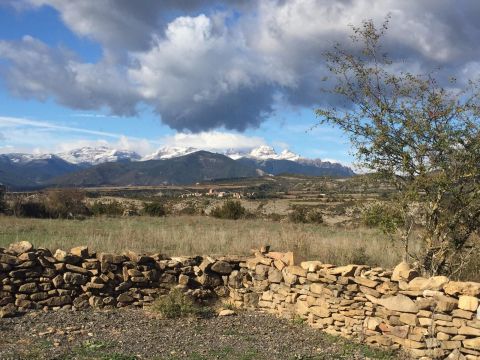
(30, 209)
(231, 209)
(175, 305)
(112, 208)
(383, 216)
(154, 209)
(66, 203)
(305, 215)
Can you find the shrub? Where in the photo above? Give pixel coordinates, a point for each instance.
(175, 305)
(30, 208)
(383, 216)
(275, 217)
(66, 203)
(154, 209)
(305, 215)
(113, 208)
(231, 209)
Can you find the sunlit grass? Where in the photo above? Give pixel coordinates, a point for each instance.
(189, 235)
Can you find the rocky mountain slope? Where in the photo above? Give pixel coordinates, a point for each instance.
(187, 169)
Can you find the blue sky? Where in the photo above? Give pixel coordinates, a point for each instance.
(208, 74)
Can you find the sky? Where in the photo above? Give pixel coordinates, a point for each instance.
(212, 74)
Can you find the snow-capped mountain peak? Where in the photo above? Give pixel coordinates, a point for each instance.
(265, 152)
(288, 155)
(168, 152)
(97, 155)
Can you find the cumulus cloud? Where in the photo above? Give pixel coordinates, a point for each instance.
(207, 64)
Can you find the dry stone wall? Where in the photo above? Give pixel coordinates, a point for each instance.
(432, 318)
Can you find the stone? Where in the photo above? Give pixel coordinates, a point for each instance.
(8, 259)
(275, 275)
(320, 311)
(57, 301)
(209, 280)
(409, 319)
(387, 288)
(347, 270)
(279, 264)
(472, 343)
(317, 288)
(74, 278)
(455, 355)
(288, 258)
(372, 323)
(289, 278)
(458, 313)
(311, 266)
(58, 281)
(28, 288)
(468, 303)
(462, 288)
(125, 298)
(226, 312)
(20, 247)
(8, 310)
(434, 283)
(222, 267)
(183, 279)
(470, 331)
(403, 272)
(296, 270)
(95, 301)
(365, 282)
(60, 255)
(399, 303)
(76, 269)
(111, 258)
(81, 251)
(446, 303)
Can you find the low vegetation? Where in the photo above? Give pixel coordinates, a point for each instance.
(154, 209)
(305, 215)
(230, 209)
(176, 304)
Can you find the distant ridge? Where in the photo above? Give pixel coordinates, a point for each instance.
(104, 166)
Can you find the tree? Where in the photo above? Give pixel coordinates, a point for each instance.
(420, 133)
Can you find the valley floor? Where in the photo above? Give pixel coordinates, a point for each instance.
(129, 334)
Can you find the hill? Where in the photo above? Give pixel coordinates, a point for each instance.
(18, 174)
(276, 167)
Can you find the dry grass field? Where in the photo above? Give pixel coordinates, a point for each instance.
(188, 235)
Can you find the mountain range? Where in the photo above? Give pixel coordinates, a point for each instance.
(99, 166)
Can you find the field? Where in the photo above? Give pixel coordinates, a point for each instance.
(340, 236)
(197, 235)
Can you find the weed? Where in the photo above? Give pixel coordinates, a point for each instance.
(176, 305)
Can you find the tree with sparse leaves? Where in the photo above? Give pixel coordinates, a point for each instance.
(419, 133)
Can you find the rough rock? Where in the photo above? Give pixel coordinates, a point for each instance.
(20, 247)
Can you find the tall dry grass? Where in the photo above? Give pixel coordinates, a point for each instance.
(196, 235)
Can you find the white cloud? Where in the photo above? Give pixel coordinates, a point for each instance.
(7, 121)
(213, 140)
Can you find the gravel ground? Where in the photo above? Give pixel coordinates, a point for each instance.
(128, 334)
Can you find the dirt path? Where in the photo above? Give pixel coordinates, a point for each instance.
(133, 334)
